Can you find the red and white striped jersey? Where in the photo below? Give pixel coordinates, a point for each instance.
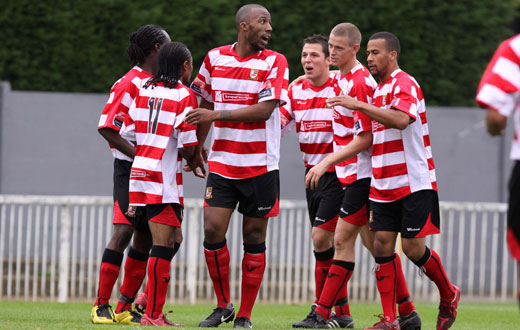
(122, 94)
(156, 121)
(243, 149)
(312, 117)
(358, 84)
(499, 88)
(402, 161)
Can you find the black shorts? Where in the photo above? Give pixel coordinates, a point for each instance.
(257, 197)
(513, 213)
(355, 206)
(170, 214)
(324, 202)
(122, 214)
(415, 215)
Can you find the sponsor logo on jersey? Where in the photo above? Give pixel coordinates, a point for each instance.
(219, 68)
(301, 102)
(138, 174)
(131, 211)
(209, 193)
(265, 93)
(232, 97)
(253, 75)
(314, 125)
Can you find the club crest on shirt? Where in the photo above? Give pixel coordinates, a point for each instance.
(209, 193)
(253, 74)
(131, 211)
(384, 99)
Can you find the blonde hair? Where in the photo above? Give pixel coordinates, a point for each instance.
(348, 30)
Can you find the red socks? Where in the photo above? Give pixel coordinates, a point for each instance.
(217, 259)
(405, 304)
(253, 266)
(386, 276)
(109, 271)
(432, 266)
(158, 279)
(323, 262)
(334, 290)
(135, 271)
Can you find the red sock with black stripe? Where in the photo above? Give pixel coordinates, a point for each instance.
(386, 284)
(402, 295)
(432, 266)
(337, 278)
(253, 267)
(135, 271)
(217, 260)
(108, 273)
(158, 279)
(323, 262)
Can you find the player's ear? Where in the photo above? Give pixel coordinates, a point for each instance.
(157, 47)
(244, 26)
(356, 48)
(393, 55)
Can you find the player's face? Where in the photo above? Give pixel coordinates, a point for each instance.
(341, 51)
(188, 69)
(378, 57)
(259, 28)
(315, 64)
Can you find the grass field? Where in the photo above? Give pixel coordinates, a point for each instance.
(29, 315)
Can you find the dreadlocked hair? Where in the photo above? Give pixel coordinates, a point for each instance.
(171, 60)
(143, 41)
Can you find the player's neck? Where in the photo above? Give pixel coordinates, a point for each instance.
(388, 72)
(348, 66)
(319, 81)
(244, 49)
(148, 67)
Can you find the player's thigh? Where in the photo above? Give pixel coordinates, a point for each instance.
(420, 214)
(259, 196)
(331, 195)
(355, 205)
(163, 220)
(123, 214)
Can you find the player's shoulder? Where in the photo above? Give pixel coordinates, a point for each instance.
(135, 78)
(221, 50)
(269, 53)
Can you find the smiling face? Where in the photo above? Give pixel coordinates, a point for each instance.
(259, 28)
(315, 63)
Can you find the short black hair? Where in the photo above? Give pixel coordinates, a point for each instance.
(392, 42)
(171, 60)
(318, 39)
(143, 41)
(244, 12)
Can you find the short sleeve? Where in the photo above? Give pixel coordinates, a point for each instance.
(201, 85)
(275, 87)
(405, 98)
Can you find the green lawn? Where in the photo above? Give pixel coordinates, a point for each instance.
(29, 315)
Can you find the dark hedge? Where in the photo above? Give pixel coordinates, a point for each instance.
(79, 46)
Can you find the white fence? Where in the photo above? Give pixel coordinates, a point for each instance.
(51, 247)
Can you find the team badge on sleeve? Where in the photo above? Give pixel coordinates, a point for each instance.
(209, 192)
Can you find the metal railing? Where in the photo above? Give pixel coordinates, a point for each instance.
(51, 248)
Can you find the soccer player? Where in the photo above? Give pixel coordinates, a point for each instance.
(156, 122)
(313, 120)
(498, 93)
(403, 190)
(352, 157)
(244, 83)
(142, 52)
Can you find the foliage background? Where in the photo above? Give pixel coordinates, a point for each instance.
(79, 46)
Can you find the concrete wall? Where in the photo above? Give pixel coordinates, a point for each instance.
(49, 145)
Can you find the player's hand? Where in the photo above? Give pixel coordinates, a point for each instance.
(196, 164)
(313, 176)
(297, 81)
(200, 115)
(344, 101)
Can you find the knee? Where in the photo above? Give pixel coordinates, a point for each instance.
(211, 231)
(142, 242)
(121, 237)
(381, 247)
(322, 240)
(343, 240)
(412, 251)
(253, 237)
